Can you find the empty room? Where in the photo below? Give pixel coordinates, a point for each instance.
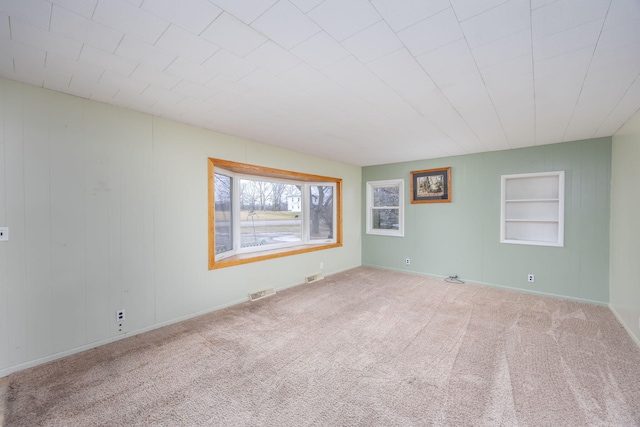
(320, 212)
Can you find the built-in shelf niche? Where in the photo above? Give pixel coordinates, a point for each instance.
(532, 209)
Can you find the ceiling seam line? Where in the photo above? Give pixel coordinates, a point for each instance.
(586, 74)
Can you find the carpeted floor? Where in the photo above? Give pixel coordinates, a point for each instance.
(366, 347)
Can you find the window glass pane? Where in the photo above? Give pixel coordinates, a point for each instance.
(386, 196)
(223, 219)
(321, 212)
(270, 213)
(386, 219)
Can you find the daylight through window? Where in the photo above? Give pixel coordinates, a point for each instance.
(385, 204)
(260, 213)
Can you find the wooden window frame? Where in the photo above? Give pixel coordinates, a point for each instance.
(261, 171)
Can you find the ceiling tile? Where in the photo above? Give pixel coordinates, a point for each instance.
(37, 37)
(504, 49)
(564, 42)
(230, 65)
(100, 93)
(472, 101)
(600, 95)
(402, 14)
(347, 71)
(62, 64)
(107, 61)
(621, 36)
(562, 15)
(17, 50)
(306, 5)
(627, 106)
(183, 43)
(191, 15)
(155, 77)
(446, 57)
(273, 58)
(320, 50)
(190, 71)
(535, 4)
(188, 88)
(432, 33)
(84, 30)
(342, 19)
(56, 81)
(499, 22)
(498, 75)
(373, 42)
(227, 86)
(559, 67)
(122, 16)
(246, 10)
(414, 85)
(285, 24)
(233, 35)
(36, 12)
(124, 83)
(393, 64)
(466, 9)
(152, 92)
(304, 76)
(622, 12)
(458, 75)
(144, 53)
(518, 121)
(81, 7)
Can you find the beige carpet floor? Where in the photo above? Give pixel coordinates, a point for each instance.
(366, 347)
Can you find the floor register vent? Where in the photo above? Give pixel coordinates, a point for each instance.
(253, 296)
(313, 278)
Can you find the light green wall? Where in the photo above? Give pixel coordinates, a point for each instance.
(107, 209)
(463, 237)
(625, 226)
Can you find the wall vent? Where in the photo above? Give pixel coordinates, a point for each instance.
(253, 296)
(313, 278)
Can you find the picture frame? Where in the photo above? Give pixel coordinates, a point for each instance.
(431, 186)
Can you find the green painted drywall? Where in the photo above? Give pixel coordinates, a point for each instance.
(625, 226)
(463, 237)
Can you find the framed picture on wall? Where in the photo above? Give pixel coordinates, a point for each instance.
(431, 186)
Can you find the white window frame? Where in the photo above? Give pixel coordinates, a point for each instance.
(371, 185)
(306, 217)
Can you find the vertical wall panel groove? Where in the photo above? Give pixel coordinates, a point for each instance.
(107, 210)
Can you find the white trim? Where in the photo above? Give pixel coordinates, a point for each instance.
(559, 240)
(369, 190)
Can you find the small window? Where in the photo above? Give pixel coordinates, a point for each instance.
(385, 207)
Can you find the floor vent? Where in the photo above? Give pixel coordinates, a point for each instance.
(313, 278)
(253, 296)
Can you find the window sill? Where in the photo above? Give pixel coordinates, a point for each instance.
(247, 258)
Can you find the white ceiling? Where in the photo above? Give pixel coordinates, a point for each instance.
(359, 81)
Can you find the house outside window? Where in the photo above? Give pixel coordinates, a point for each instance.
(385, 207)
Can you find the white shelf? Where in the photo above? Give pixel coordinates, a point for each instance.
(532, 209)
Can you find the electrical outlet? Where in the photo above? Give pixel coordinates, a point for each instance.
(531, 278)
(407, 261)
(119, 316)
(4, 234)
(321, 265)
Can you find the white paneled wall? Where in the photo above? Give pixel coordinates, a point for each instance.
(107, 210)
